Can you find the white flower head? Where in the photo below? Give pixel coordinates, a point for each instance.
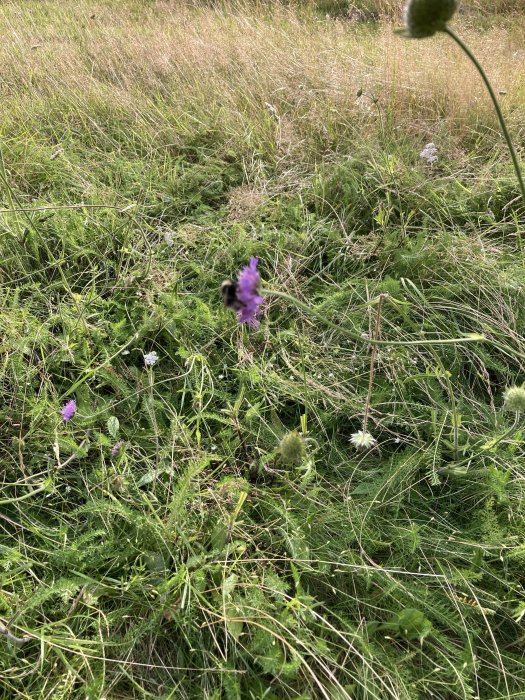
(429, 153)
(151, 358)
(362, 440)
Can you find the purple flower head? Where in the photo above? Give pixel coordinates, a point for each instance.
(151, 358)
(116, 448)
(69, 410)
(247, 293)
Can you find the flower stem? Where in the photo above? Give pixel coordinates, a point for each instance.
(471, 338)
(492, 94)
(455, 414)
(372, 362)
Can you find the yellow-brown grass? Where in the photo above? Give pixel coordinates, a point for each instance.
(272, 79)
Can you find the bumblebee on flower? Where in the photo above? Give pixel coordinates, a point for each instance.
(243, 296)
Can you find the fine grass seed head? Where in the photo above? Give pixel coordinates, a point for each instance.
(423, 18)
(292, 449)
(514, 399)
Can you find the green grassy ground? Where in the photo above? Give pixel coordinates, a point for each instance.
(148, 151)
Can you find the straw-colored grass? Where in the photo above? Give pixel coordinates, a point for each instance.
(250, 74)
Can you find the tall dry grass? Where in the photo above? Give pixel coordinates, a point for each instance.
(384, 8)
(265, 78)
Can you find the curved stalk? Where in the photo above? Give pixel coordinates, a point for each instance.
(497, 107)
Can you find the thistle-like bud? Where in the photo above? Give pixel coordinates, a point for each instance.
(292, 449)
(423, 18)
(514, 399)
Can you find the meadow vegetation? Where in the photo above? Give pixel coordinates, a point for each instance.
(202, 527)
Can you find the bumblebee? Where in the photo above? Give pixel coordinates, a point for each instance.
(229, 290)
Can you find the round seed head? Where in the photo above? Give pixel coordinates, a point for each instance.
(423, 18)
(291, 448)
(514, 399)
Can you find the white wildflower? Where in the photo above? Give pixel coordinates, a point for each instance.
(429, 153)
(362, 440)
(151, 358)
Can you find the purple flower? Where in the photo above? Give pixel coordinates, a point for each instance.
(116, 448)
(429, 153)
(151, 358)
(69, 410)
(247, 293)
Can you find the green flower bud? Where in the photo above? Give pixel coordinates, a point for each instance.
(514, 399)
(423, 18)
(291, 448)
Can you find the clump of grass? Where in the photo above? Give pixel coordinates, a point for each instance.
(202, 557)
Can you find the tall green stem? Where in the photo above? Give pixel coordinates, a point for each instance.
(372, 363)
(492, 94)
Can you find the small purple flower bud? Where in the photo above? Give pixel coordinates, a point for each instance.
(69, 410)
(116, 448)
